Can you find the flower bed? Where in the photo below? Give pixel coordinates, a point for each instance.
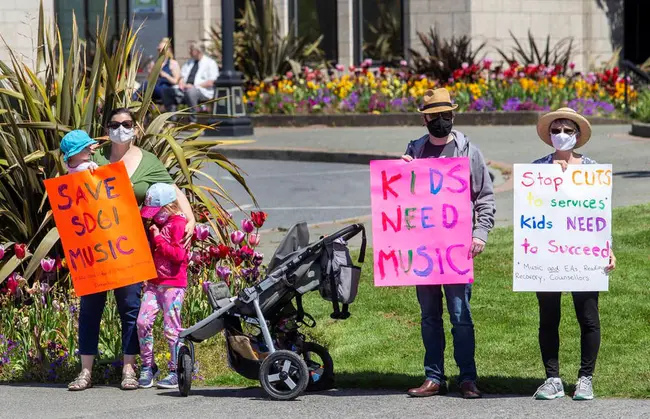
(473, 87)
(39, 320)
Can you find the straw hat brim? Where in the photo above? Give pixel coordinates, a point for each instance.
(440, 109)
(545, 121)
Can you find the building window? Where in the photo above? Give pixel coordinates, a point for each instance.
(313, 18)
(635, 47)
(87, 14)
(379, 31)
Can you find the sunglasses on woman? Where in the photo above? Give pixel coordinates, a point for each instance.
(569, 131)
(115, 124)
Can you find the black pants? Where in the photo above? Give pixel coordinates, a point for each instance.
(586, 306)
(90, 317)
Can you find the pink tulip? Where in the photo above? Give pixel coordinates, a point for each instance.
(403, 63)
(289, 75)
(247, 226)
(254, 239)
(2, 251)
(201, 232)
(340, 67)
(464, 66)
(237, 236)
(48, 264)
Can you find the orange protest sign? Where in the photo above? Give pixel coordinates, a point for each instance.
(101, 230)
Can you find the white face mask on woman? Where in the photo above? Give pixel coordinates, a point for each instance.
(121, 135)
(564, 141)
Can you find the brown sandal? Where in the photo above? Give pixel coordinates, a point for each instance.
(129, 381)
(82, 382)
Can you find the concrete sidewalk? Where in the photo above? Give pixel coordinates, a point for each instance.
(40, 401)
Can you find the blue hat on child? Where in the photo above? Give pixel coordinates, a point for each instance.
(74, 143)
(158, 195)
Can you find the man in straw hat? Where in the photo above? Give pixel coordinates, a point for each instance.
(565, 130)
(443, 141)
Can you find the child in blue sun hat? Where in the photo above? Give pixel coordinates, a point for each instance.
(75, 147)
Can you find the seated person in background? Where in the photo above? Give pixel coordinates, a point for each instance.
(197, 81)
(170, 73)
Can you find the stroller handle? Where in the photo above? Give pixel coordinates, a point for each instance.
(347, 233)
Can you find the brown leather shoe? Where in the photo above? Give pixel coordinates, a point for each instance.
(429, 388)
(469, 391)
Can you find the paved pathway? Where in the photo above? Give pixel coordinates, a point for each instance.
(629, 155)
(111, 403)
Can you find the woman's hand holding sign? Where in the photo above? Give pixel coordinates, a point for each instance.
(612, 263)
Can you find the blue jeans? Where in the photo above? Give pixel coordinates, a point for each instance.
(90, 316)
(433, 334)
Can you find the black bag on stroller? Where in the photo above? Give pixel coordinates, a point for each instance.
(278, 355)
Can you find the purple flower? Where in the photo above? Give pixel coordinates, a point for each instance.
(247, 225)
(45, 288)
(258, 258)
(237, 236)
(206, 286)
(201, 232)
(482, 105)
(512, 104)
(47, 264)
(223, 272)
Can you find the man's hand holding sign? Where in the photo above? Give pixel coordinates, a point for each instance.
(97, 216)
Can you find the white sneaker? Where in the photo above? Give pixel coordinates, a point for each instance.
(550, 390)
(584, 389)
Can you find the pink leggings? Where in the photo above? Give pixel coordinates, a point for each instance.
(155, 298)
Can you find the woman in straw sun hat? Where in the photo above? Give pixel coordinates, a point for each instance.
(566, 130)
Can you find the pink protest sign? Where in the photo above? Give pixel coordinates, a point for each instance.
(421, 222)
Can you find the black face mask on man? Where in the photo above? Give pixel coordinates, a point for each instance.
(440, 127)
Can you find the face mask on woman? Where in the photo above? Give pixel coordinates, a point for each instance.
(121, 135)
(564, 141)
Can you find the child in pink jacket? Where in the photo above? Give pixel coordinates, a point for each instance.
(167, 291)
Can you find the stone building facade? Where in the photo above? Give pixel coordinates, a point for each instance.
(595, 25)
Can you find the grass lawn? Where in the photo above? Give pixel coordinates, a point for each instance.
(380, 345)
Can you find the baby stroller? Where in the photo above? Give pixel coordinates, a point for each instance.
(276, 353)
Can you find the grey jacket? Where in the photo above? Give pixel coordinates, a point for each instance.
(482, 190)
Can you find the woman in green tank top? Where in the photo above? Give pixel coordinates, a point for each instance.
(144, 170)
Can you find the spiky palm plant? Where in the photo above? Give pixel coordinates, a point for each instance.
(442, 56)
(38, 106)
(560, 54)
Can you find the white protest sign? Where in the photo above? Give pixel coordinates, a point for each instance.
(562, 227)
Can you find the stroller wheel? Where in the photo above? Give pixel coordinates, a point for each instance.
(184, 369)
(320, 366)
(284, 375)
